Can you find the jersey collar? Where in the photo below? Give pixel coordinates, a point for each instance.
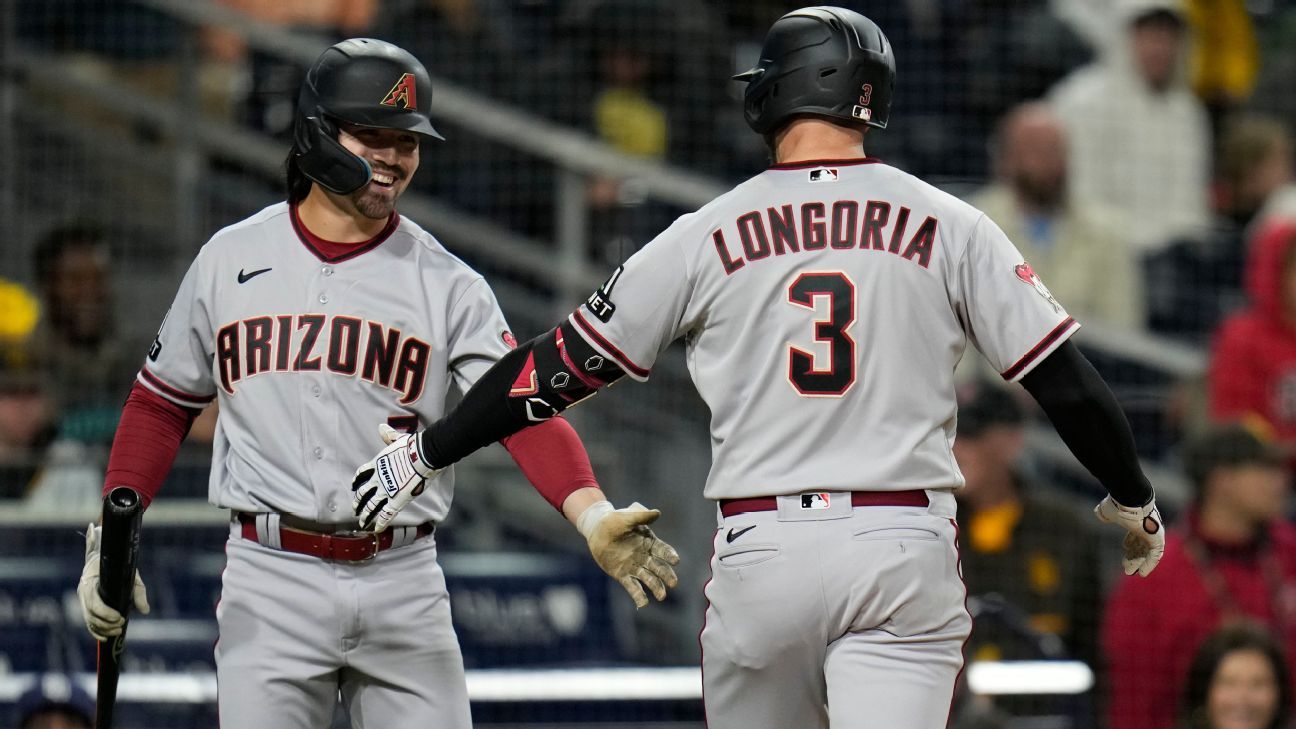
(807, 164)
(332, 252)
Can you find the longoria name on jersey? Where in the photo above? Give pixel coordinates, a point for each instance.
(342, 345)
(816, 226)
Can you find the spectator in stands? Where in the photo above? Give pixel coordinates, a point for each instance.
(1022, 544)
(1252, 370)
(1225, 58)
(55, 702)
(89, 360)
(1238, 680)
(1233, 556)
(1195, 282)
(629, 111)
(1139, 138)
(27, 421)
(1254, 168)
(1070, 245)
(471, 43)
(273, 80)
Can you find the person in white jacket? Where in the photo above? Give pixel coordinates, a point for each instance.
(1140, 140)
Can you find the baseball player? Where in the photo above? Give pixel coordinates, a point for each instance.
(311, 322)
(824, 304)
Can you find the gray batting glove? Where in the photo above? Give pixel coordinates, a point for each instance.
(102, 621)
(626, 549)
(1145, 542)
(385, 485)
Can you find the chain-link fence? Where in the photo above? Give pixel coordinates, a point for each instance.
(1138, 152)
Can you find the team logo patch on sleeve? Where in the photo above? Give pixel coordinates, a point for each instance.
(1027, 275)
(600, 302)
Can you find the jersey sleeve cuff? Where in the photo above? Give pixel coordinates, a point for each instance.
(606, 348)
(171, 393)
(1044, 348)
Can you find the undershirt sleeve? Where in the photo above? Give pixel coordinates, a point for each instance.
(147, 440)
(1090, 421)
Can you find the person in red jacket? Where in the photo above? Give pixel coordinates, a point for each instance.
(1253, 360)
(1233, 557)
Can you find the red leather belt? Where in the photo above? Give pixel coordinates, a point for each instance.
(341, 547)
(913, 497)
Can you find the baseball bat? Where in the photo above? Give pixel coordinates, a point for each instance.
(118, 549)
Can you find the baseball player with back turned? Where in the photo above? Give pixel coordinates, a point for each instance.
(312, 321)
(824, 304)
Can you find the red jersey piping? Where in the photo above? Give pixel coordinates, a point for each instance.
(807, 164)
(333, 252)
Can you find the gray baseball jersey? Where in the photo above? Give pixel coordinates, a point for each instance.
(825, 307)
(307, 355)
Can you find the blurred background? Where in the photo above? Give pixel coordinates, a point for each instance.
(1139, 152)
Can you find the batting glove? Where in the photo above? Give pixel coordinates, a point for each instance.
(385, 485)
(1145, 542)
(626, 549)
(102, 621)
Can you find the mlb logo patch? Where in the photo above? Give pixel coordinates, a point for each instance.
(823, 174)
(814, 501)
(862, 112)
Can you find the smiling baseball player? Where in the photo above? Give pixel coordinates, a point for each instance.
(310, 322)
(824, 304)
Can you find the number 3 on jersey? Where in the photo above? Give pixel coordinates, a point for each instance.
(808, 374)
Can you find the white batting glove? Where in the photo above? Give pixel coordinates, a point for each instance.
(626, 549)
(385, 485)
(1145, 542)
(102, 621)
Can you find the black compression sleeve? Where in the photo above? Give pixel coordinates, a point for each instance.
(482, 417)
(1090, 421)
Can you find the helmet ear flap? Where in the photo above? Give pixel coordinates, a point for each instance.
(324, 160)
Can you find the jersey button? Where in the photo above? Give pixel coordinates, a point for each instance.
(327, 270)
(316, 390)
(323, 298)
(319, 453)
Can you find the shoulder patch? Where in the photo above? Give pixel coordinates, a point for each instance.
(1027, 275)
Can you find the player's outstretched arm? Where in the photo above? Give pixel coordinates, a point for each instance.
(1091, 423)
(623, 545)
(528, 386)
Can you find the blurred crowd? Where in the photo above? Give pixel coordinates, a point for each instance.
(1138, 152)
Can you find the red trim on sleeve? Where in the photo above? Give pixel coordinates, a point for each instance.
(186, 399)
(553, 459)
(146, 443)
(610, 348)
(1035, 351)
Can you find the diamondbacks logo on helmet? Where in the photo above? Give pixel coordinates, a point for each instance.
(403, 94)
(1027, 275)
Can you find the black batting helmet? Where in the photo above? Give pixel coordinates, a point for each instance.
(361, 81)
(824, 61)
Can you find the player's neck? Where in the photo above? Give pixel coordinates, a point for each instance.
(327, 219)
(808, 139)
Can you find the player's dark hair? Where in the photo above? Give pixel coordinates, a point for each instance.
(1232, 638)
(56, 242)
(297, 183)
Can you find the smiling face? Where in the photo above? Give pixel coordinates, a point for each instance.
(392, 154)
(1243, 692)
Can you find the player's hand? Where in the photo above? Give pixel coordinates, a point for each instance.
(1145, 542)
(102, 621)
(626, 549)
(385, 485)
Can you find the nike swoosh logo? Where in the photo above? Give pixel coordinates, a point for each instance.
(245, 277)
(732, 535)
